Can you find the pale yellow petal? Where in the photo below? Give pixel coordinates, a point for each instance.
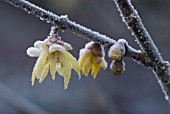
(66, 69)
(41, 62)
(56, 47)
(95, 70)
(40, 44)
(82, 61)
(73, 63)
(33, 75)
(44, 73)
(86, 66)
(52, 65)
(33, 52)
(59, 69)
(103, 64)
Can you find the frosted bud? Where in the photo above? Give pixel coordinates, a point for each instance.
(117, 67)
(56, 47)
(33, 52)
(39, 44)
(117, 51)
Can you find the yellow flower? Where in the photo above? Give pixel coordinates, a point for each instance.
(52, 56)
(92, 58)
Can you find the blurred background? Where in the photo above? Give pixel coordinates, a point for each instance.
(136, 91)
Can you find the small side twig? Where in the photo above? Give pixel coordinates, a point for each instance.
(133, 21)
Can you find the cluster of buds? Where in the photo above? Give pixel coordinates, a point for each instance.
(53, 56)
(116, 53)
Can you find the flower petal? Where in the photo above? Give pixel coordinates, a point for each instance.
(66, 69)
(41, 62)
(44, 73)
(59, 69)
(67, 46)
(82, 61)
(73, 63)
(33, 52)
(33, 75)
(53, 65)
(103, 64)
(86, 65)
(39, 44)
(56, 47)
(95, 70)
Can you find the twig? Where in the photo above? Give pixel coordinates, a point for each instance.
(132, 20)
(65, 24)
(150, 56)
(20, 102)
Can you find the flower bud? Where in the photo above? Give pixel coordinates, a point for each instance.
(117, 51)
(117, 67)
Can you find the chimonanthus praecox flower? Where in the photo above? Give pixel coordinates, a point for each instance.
(52, 56)
(92, 58)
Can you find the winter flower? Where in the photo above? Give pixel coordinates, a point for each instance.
(52, 56)
(92, 58)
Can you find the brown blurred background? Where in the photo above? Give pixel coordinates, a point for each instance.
(136, 91)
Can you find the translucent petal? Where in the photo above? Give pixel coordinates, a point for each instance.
(39, 44)
(59, 69)
(33, 52)
(89, 45)
(82, 61)
(53, 65)
(33, 75)
(44, 73)
(95, 70)
(66, 69)
(41, 62)
(73, 63)
(67, 46)
(86, 65)
(103, 64)
(56, 47)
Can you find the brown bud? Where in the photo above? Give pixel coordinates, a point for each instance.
(117, 67)
(117, 51)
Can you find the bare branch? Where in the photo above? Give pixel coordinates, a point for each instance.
(64, 24)
(150, 57)
(132, 20)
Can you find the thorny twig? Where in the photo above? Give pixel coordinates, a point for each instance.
(149, 56)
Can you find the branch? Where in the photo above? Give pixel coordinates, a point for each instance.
(161, 68)
(65, 24)
(149, 56)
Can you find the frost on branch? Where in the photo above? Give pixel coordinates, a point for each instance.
(92, 58)
(53, 56)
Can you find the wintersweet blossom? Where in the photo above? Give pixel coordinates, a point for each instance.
(92, 58)
(52, 56)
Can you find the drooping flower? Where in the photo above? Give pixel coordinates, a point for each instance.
(52, 56)
(92, 58)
